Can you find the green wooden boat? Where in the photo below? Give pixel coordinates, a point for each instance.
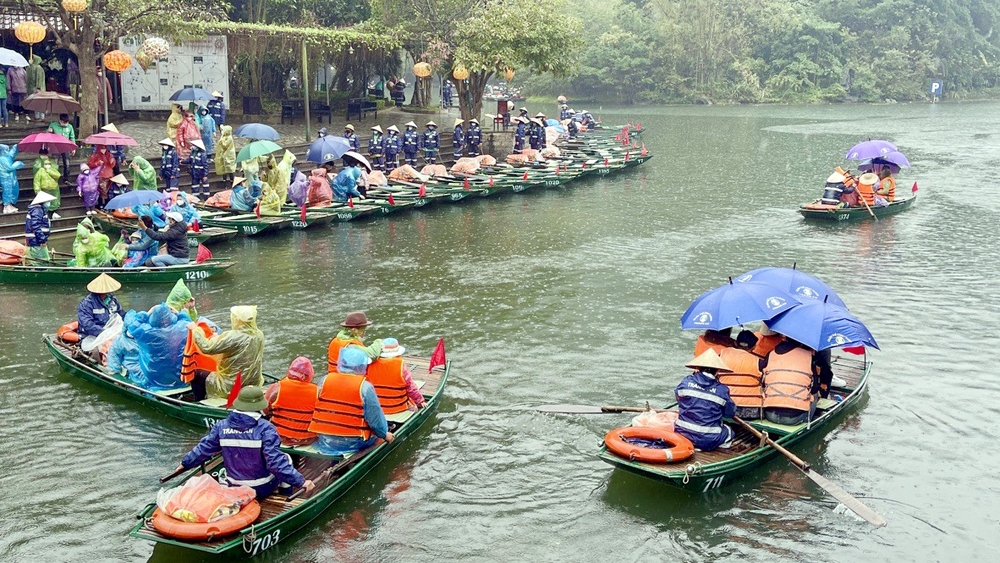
(248, 224)
(341, 212)
(312, 219)
(59, 273)
(829, 213)
(408, 192)
(207, 235)
(279, 517)
(710, 470)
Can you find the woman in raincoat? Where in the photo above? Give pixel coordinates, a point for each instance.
(270, 204)
(9, 165)
(155, 213)
(187, 132)
(240, 200)
(320, 194)
(46, 180)
(251, 169)
(161, 335)
(345, 184)
(174, 121)
(184, 207)
(225, 154)
(91, 247)
(239, 350)
(86, 186)
(281, 176)
(143, 174)
(298, 190)
(123, 356)
(181, 301)
(208, 131)
(140, 249)
(103, 160)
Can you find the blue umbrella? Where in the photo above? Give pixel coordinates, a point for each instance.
(735, 304)
(821, 325)
(800, 284)
(135, 197)
(326, 149)
(257, 131)
(191, 95)
(870, 149)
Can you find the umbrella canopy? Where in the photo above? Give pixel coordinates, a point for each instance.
(135, 197)
(870, 149)
(112, 139)
(357, 158)
(12, 58)
(894, 157)
(191, 95)
(800, 284)
(327, 148)
(821, 325)
(51, 102)
(735, 304)
(56, 144)
(255, 149)
(256, 131)
(870, 164)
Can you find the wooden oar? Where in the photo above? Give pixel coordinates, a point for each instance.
(589, 409)
(174, 474)
(340, 465)
(25, 259)
(845, 498)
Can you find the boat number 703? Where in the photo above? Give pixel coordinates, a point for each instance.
(264, 542)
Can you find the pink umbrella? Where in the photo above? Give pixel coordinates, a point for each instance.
(111, 138)
(56, 144)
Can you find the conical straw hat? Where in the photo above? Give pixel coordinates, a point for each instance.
(103, 284)
(43, 197)
(458, 122)
(708, 359)
(238, 180)
(120, 179)
(110, 127)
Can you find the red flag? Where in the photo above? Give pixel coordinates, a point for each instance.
(557, 169)
(525, 178)
(644, 151)
(350, 202)
(256, 211)
(392, 201)
(491, 181)
(422, 192)
(605, 161)
(438, 357)
(856, 350)
(914, 189)
(638, 126)
(302, 214)
(626, 156)
(583, 166)
(235, 392)
(465, 184)
(196, 226)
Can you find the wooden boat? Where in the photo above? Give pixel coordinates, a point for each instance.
(248, 224)
(279, 517)
(207, 235)
(407, 192)
(341, 212)
(59, 273)
(710, 470)
(312, 219)
(824, 212)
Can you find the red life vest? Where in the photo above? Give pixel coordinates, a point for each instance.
(292, 411)
(340, 409)
(743, 378)
(386, 375)
(333, 352)
(788, 380)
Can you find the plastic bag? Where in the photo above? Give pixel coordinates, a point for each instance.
(202, 499)
(465, 166)
(652, 419)
(111, 331)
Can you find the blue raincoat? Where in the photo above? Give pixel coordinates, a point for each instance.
(345, 184)
(155, 211)
(208, 130)
(187, 210)
(9, 165)
(161, 335)
(140, 251)
(241, 200)
(124, 352)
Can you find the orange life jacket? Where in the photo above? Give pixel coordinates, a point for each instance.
(849, 181)
(765, 344)
(292, 411)
(867, 192)
(701, 345)
(386, 375)
(891, 196)
(333, 352)
(194, 358)
(340, 409)
(788, 380)
(743, 377)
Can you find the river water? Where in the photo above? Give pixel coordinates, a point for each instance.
(573, 295)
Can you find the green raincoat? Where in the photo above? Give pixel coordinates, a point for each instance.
(143, 174)
(240, 349)
(178, 297)
(34, 76)
(225, 152)
(374, 350)
(91, 247)
(47, 180)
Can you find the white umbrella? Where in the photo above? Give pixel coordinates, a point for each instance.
(12, 58)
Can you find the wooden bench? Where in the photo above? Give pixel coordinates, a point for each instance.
(319, 110)
(292, 109)
(360, 107)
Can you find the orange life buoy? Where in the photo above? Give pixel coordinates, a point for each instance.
(67, 332)
(124, 214)
(618, 443)
(175, 528)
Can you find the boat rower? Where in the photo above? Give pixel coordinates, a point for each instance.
(703, 402)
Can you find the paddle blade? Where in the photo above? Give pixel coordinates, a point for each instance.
(845, 498)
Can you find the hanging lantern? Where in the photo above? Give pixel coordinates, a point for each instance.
(117, 61)
(142, 57)
(30, 33)
(422, 70)
(508, 74)
(156, 48)
(460, 73)
(74, 6)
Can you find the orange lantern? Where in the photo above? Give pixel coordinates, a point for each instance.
(508, 74)
(117, 61)
(30, 33)
(74, 6)
(422, 70)
(460, 73)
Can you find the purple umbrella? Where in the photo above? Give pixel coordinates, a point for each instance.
(894, 157)
(870, 149)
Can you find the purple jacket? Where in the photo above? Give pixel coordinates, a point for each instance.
(251, 451)
(86, 186)
(16, 81)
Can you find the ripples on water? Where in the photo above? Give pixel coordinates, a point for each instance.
(573, 295)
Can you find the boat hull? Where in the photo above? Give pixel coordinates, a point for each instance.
(16, 274)
(855, 213)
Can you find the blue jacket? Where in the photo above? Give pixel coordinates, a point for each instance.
(352, 139)
(703, 402)
(458, 139)
(241, 200)
(375, 144)
(160, 335)
(393, 144)
(411, 141)
(170, 164)
(536, 136)
(251, 451)
(474, 137)
(154, 211)
(140, 251)
(93, 314)
(431, 140)
(563, 114)
(446, 90)
(37, 226)
(519, 136)
(217, 109)
(345, 184)
(199, 165)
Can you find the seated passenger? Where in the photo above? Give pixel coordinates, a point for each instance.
(250, 448)
(184, 207)
(393, 381)
(886, 192)
(181, 301)
(240, 350)
(98, 306)
(123, 356)
(348, 417)
(767, 339)
(793, 374)
(743, 377)
(241, 200)
(703, 402)
(292, 402)
(850, 197)
(160, 334)
(140, 248)
(91, 247)
(714, 339)
(353, 332)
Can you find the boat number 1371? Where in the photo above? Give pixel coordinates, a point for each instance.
(713, 483)
(264, 542)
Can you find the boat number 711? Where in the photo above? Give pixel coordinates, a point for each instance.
(265, 542)
(713, 483)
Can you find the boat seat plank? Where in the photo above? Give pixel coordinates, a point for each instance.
(214, 402)
(174, 392)
(400, 417)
